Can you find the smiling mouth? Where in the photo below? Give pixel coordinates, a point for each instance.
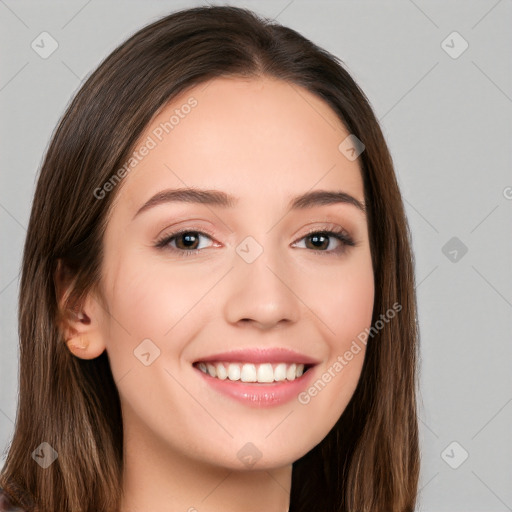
(249, 372)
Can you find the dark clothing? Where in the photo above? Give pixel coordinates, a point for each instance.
(6, 504)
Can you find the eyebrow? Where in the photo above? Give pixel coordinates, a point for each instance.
(224, 200)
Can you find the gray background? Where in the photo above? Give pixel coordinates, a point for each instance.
(448, 124)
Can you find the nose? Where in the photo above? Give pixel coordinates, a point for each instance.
(261, 293)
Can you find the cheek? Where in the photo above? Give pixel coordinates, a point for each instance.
(148, 299)
(342, 299)
(351, 307)
(147, 302)
(344, 305)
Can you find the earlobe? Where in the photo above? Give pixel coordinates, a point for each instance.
(83, 351)
(78, 346)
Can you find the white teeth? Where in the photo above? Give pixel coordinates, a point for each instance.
(290, 372)
(211, 370)
(222, 373)
(234, 372)
(248, 372)
(280, 372)
(265, 373)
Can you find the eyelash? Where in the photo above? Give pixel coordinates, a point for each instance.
(334, 232)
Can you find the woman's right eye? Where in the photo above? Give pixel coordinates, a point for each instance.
(185, 242)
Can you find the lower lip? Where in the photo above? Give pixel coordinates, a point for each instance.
(260, 395)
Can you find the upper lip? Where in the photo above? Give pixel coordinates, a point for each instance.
(260, 355)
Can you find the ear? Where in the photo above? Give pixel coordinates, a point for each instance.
(79, 324)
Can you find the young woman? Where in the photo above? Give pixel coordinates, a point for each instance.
(217, 308)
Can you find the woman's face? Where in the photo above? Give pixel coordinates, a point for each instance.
(250, 273)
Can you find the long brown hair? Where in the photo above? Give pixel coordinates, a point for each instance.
(370, 459)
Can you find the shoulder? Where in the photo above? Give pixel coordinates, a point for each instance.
(6, 504)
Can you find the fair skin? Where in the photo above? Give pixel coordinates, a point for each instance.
(264, 142)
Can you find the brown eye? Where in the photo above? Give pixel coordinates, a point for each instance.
(318, 241)
(185, 242)
(322, 241)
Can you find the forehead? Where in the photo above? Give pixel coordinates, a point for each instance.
(250, 137)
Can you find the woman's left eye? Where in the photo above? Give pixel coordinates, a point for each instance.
(188, 242)
(323, 241)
